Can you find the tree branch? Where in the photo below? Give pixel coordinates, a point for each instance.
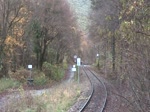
(16, 15)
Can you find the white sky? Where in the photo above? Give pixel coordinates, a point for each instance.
(81, 8)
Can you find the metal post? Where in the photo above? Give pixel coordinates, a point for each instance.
(30, 80)
(78, 75)
(78, 64)
(30, 74)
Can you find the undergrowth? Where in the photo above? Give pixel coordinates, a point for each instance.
(54, 72)
(58, 99)
(6, 83)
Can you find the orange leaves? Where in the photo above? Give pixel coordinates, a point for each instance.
(18, 31)
(10, 41)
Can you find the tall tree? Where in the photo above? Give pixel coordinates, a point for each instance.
(11, 16)
(130, 46)
(52, 20)
(105, 19)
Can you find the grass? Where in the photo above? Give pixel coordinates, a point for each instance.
(52, 73)
(6, 83)
(58, 99)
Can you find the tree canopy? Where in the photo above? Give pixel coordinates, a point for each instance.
(30, 30)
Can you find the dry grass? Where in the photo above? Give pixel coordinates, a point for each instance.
(58, 99)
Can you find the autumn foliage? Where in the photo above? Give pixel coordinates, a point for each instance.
(33, 32)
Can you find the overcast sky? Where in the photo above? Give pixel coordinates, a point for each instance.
(81, 8)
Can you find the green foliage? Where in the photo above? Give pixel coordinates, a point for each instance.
(7, 83)
(65, 65)
(54, 72)
(36, 29)
(40, 80)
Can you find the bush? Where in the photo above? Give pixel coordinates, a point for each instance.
(65, 65)
(52, 71)
(20, 75)
(40, 80)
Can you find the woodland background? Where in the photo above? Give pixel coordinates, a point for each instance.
(121, 32)
(34, 32)
(45, 33)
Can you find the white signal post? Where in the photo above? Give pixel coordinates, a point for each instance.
(30, 67)
(78, 61)
(74, 68)
(78, 64)
(97, 55)
(30, 80)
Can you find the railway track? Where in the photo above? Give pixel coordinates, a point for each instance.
(97, 99)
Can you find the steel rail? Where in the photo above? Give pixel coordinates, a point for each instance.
(106, 94)
(91, 94)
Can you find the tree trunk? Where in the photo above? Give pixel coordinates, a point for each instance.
(42, 56)
(37, 60)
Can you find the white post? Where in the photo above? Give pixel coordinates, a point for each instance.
(30, 80)
(78, 64)
(78, 74)
(30, 67)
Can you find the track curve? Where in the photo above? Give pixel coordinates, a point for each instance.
(98, 98)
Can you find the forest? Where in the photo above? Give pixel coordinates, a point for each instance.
(121, 32)
(34, 32)
(46, 34)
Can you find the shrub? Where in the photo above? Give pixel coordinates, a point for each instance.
(20, 75)
(40, 80)
(65, 65)
(54, 72)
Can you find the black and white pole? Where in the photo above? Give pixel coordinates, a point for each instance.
(98, 59)
(30, 68)
(78, 65)
(30, 80)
